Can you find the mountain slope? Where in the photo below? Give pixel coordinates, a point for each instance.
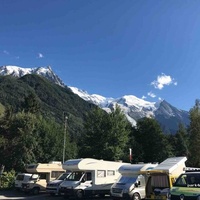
(134, 108)
(52, 98)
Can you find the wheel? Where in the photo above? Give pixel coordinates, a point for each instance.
(52, 194)
(35, 191)
(79, 194)
(136, 196)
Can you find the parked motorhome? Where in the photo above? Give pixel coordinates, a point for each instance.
(89, 177)
(162, 177)
(21, 177)
(131, 184)
(53, 186)
(42, 173)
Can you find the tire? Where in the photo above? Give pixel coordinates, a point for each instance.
(136, 196)
(52, 194)
(35, 191)
(79, 194)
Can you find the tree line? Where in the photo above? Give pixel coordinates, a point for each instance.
(28, 137)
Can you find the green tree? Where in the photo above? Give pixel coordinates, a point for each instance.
(31, 104)
(153, 142)
(105, 135)
(18, 140)
(181, 142)
(118, 135)
(194, 132)
(136, 147)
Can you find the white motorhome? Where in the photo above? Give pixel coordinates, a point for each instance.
(42, 173)
(162, 177)
(89, 177)
(21, 177)
(131, 184)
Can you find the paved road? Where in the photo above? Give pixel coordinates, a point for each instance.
(43, 196)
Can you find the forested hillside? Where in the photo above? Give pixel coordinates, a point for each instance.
(49, 99)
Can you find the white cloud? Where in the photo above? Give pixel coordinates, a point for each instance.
(6, 52)
(40, 55)
(163, 80)
(151, 94)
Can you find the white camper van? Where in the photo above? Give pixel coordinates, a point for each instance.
(131, 184)
(41, 174)
(89, 177)
(21, 177)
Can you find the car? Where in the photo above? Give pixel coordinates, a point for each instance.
(186, 187)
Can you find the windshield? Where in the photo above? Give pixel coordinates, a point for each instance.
(20, 177)
(63, 176)
(75, 176)
(188, 180)
(125, 179)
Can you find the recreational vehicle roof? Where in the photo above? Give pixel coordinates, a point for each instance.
(44, 167)
(170, 165)
(90, 164)
(136, 168)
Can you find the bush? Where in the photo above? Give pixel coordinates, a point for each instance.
(7, 179)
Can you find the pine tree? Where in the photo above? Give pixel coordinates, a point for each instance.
(194, 131)
(153, 143)
(106, 135)
(181, 142)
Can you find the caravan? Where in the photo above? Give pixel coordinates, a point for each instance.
(162, 177)
(131, 184)
(41, 174)
(89, 177)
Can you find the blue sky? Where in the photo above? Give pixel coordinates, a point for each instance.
(146, 48)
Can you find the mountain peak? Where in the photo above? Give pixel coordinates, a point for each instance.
(19, 72)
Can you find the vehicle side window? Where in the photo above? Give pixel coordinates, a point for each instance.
(42, 176)
(101, 173)
(182, 181)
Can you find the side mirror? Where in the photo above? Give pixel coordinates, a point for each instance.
(137, 183)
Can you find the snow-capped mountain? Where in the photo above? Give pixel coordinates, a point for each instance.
(19, 72)
(129, 104)
(134, 108)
